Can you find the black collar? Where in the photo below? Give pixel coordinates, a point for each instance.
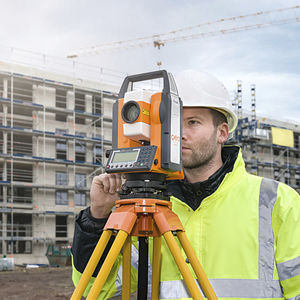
(194, 193)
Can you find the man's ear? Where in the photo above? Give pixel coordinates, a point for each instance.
(222, 133)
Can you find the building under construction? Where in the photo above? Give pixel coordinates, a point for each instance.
(271, 148)
(54, 131)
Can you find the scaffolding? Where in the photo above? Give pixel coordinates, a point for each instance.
(53, 136)
(262, 156)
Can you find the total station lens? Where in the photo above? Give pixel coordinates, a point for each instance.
(130, 111)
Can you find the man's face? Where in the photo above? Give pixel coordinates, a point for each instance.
(199, 137)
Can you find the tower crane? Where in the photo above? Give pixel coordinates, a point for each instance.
(219, 27)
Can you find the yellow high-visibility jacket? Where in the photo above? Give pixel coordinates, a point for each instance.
(246, 236)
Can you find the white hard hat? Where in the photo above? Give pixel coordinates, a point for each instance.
(204, 90)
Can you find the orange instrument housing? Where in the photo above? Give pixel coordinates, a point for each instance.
(163, 116)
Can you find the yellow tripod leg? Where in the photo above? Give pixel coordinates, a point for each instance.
(184, 270)
(156, 267)
(126, 279)
(191, 255)
(107, 265)
(91, 266)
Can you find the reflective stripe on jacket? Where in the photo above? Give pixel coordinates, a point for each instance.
(246, 236)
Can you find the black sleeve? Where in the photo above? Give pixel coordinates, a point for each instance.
(87, 232)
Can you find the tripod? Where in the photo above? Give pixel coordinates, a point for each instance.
(143, 211)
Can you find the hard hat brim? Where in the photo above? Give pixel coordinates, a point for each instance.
(229, 114)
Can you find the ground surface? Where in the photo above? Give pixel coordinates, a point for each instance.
(36, 284)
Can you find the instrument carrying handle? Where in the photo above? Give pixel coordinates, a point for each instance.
(143, 77)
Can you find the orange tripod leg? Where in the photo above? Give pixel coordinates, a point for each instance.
(156, 267)
(191, 255)
(184, 270)
(126, 269)
(91, 266)
(107, 265)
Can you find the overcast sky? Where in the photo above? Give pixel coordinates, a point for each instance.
(267, 57)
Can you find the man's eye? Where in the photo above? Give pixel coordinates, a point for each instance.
(193, 122)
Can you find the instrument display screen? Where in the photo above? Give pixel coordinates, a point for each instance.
(123, 157)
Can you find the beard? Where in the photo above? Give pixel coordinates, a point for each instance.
(201, 154)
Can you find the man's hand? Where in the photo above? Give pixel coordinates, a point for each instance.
(104, 194)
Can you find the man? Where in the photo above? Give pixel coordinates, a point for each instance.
(244, 229)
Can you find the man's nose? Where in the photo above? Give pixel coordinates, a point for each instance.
(183, 134)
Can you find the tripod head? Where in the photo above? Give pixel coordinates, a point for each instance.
(145, 185)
